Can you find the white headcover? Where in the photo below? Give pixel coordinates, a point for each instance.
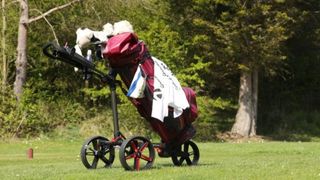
(84, 35)
(108, 29)
(121, 27)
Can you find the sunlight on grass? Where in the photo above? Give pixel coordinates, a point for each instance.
(59, 159)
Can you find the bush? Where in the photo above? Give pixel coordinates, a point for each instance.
(9, 112)
(100, 124)
(296, 125)
(43, 113)
(36, 114)
(215, 116)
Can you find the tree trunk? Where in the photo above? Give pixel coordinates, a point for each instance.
(246, 118)
(21, 62)
(3, 45)
(255, 81)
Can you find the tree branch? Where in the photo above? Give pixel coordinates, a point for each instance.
(51, 27)
(52, 10)
(96, 13)
(9, 3)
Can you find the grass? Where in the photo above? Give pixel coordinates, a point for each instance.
(59, 159)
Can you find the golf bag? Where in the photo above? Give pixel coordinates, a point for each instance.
(124, 53)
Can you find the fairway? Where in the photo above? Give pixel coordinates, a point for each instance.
(59, 159)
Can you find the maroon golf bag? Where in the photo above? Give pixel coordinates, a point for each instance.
(124, 53)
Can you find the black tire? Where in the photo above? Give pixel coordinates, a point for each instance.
(136, 153)
(97, 149)
(183, 153)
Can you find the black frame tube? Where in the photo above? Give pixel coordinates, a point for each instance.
(68, 55)
(114, 110)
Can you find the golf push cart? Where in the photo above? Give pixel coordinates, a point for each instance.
(125, 54)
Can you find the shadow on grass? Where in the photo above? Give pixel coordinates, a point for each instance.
(185, 165)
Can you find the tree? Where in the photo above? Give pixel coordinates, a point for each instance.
(252, 33)
(21, 61)
(3, 43)
(290, 100)
(246, 39)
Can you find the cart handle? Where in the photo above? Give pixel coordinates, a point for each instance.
(47, 52)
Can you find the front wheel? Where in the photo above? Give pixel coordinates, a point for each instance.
(136, 153)
(97, 149)
(187, 152)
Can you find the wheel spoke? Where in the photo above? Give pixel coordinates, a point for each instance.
(186, 147)
(92, 150)
(98, 146)
(95, 145)
(146, 158)
(107, 151)
(105, 160)
(181, 160)
(130, 156)
(137, 163)
(95, 162)
(144, 146)
(127, 152)
(179, 154)
(90, 153)
(133, 145)
(188, 160)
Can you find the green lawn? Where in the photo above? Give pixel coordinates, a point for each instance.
(59, 159)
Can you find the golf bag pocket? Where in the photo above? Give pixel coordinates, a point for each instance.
(122, 50)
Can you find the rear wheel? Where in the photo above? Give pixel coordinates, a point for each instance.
(136, 153)
(97, 152)
(188, 152)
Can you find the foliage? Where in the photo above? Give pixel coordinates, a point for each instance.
(205, 44)
(290, 101)
(246, 34)
(8, 112)
(169, 46)
(35, 115)
(215, 115)
(299, 123)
